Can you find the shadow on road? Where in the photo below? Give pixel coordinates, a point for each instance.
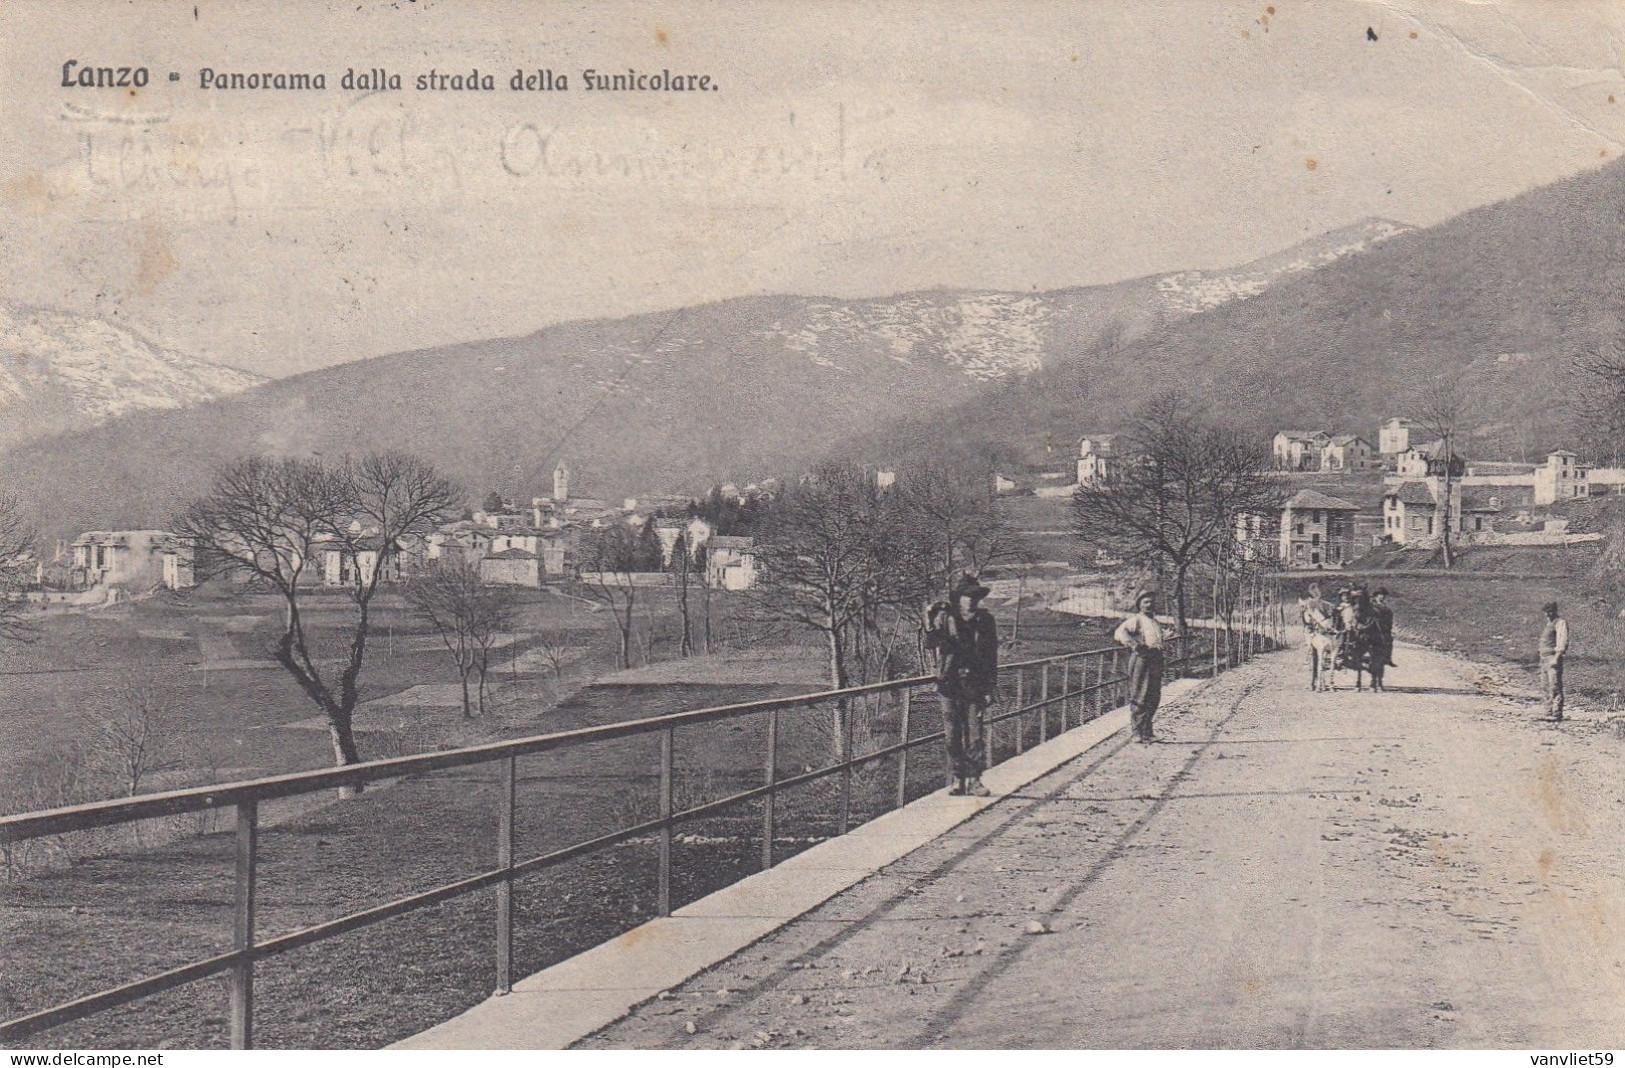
(1453, 691)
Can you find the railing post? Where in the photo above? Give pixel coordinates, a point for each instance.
(1066, 689)
(988, 727)
(1119, 679)
(770, 772)
(843, 715)
(505, 814)
(242, 972)
(902, 754)
(663, 905)
(1019, 720)
(1100, 684)
(1043, 703)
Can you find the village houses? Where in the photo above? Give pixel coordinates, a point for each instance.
(135, 560)
(346, 566)
(1299, 450)
(1316, 450)
(1428, 461)
(1098, 459)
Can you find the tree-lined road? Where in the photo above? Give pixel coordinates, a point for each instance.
(1426, 867)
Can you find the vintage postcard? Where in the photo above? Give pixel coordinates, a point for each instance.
(917, 524)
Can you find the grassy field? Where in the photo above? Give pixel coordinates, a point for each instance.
(227, 710)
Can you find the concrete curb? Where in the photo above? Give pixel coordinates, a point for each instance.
(572, 999)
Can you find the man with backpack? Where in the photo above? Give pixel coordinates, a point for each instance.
(965, 637)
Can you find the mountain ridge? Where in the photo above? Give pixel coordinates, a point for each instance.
(659, 402)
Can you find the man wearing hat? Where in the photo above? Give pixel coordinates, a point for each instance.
(1554, 646)
(1385, 621)
(966, 638)
(1142, 635)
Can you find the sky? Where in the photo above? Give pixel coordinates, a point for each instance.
(850, 149)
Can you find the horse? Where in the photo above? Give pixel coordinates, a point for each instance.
(1364, 650)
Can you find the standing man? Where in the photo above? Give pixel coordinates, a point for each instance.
(965, 637)
(1385, 621)
(1142, 635)
(1554, 645)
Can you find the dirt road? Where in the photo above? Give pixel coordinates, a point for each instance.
(1423, 868)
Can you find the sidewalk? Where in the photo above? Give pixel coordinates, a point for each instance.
(565, 1003)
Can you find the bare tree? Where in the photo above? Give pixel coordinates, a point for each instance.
(270, 520)
(1442, 410)
(829, 558)
(493, 613)
(16, 555)
(1597, 374)
(702, 571)
(951, 521)
(557, 655)
(609, 561)
(130, 732)
(682, 570)
(467, 615)
(1175, 503)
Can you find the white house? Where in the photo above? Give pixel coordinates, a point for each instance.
(1411, 511)
(1394, 437)
(1097, 458)
(730, 563)
(1258, 535)
(1561, 478)
(176, 555)
(342, 566)
(1345, 452)
(695, 532)
(1427, 461)
(1602, 481)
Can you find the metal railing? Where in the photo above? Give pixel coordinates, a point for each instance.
(1038, 699)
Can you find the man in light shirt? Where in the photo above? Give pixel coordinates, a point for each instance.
(1554, 645)
(1142, 635)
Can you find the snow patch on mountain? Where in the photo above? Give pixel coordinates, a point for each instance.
(1198, 291)
(71, 370)
(983, 335)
